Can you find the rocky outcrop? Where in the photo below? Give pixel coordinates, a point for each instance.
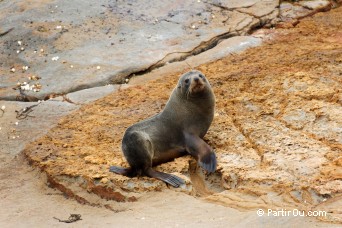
(276, 131)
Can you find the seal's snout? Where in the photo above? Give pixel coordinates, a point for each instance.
(197, 81)
(197, 85)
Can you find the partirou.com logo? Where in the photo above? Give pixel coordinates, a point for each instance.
(293, 212)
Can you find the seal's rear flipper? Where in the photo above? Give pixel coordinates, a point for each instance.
(123, 171)
(208, 162)
(167, 178)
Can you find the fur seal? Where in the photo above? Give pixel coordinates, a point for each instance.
(174, 132)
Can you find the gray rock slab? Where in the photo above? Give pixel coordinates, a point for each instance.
(313, 5)
(229, 46)
(88, 95)
(235, 4)
(74, 45)
(15, 132)
(300, 9)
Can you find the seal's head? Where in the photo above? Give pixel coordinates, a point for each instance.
(193, 84)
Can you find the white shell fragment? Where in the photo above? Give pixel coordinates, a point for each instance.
(55, 58)
(27, 87)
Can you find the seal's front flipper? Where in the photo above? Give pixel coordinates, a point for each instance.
(167, 178)
(123, 171)
(208, 162)
(201, 151)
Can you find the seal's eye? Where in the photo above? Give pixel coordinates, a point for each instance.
(186, 80)
(201, 75)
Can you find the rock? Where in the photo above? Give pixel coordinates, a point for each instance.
(74, 45)
(228, 46)
(88, 95)
(276, 130)
(315, 5)
(234, 4)
(289, 11)
(42, 117)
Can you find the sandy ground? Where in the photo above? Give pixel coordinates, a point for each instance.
(26, 200)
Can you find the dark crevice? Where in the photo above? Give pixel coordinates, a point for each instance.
(204, 46)
(227, 8)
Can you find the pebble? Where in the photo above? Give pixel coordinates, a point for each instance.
(25, 87)
(104, 180)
